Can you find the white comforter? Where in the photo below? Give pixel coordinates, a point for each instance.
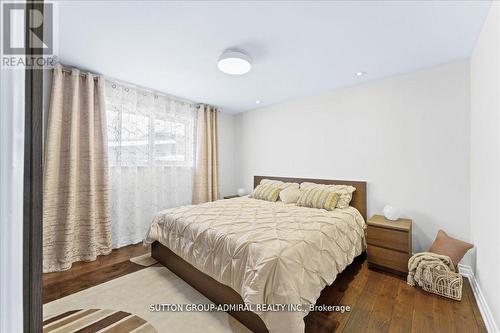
(270, 253)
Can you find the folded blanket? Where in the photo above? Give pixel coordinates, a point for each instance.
(426, 260)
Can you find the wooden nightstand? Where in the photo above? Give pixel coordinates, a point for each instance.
(389, 244)
(231, 196)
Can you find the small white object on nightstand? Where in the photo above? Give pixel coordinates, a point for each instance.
(391, 213)
(242, 192)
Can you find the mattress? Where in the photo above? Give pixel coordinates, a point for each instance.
(268, 252)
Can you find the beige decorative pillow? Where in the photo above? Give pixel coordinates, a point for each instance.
(290, 195)
(451, 247)
(265, 192)
(345, 192)
(278, 183)
(318, 197)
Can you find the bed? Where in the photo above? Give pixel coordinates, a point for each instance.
(248, 251)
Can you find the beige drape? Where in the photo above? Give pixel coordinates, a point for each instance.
(206, 179)
(76, 218)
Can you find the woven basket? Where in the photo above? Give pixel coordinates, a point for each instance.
(443, 283)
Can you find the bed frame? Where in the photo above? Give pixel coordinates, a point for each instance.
(222, 294)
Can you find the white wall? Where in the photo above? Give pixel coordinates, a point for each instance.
(408, 136)
(485, 159)
(226, 154)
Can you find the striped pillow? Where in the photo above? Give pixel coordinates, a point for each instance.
(344, 191)
(321, 198)
(268, 193)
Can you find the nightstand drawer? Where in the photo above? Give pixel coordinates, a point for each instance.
(388, 258)
(393, 239)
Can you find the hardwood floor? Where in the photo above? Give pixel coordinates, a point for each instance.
(379, 301)
(83, 275)
(383, 302)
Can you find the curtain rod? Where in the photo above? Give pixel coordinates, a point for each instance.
(83, 74)
(180, 99)
(69, 70)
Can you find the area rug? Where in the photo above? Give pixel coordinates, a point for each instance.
(135, 293)
(96, 320)
(145, 260)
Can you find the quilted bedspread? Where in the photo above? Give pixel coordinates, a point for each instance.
(269, 252)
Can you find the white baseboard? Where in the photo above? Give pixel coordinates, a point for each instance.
(489, 321)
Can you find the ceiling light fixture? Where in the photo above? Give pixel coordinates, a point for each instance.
(360, 73)
(234, 62)
(257, 101)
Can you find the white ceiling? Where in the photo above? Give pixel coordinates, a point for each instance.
(298, 48)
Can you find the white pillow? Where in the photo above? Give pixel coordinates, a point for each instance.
(345, 192)
(278, 183)
(290, 195)
(307, 186)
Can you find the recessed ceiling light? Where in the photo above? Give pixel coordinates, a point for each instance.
(234, 62)
(257, 101)
(362, 73)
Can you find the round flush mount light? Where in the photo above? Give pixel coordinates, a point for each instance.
(361, 73)
(234, 62)
(257, 101)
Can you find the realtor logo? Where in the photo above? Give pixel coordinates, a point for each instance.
(15, 39)
(27, 49)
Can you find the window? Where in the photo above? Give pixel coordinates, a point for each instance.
(151, 148)
(147, 129)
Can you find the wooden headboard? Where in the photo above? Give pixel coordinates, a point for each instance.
(358, 197)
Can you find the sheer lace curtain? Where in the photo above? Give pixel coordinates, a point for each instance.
(151, 145)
